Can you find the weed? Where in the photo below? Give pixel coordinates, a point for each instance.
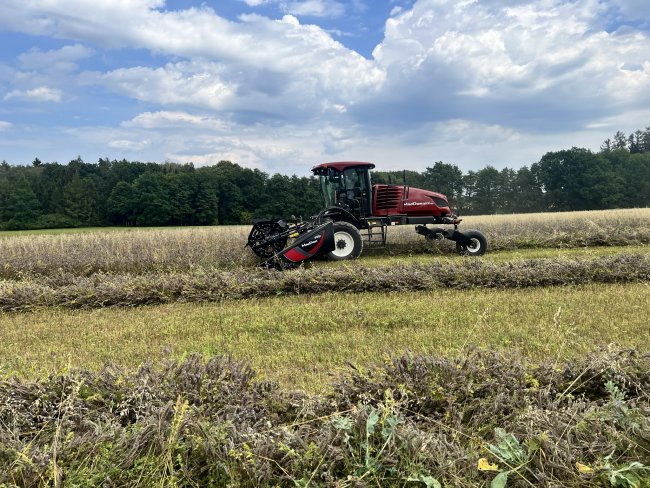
(213, 424)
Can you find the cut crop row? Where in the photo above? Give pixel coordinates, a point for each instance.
(100, 289)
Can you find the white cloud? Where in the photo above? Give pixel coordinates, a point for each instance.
(466, 81)
(62, 60)
(128, 145)
(523, 64)
(5, 125)
(166, 119)
(40, 94)
(194, 84)
(257, 64)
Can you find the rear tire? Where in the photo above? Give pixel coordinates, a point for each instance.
(477, 246)
(347, 241)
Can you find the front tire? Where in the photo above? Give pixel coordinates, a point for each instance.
(476, 247)
(347, 241)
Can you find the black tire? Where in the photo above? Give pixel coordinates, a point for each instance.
(347, 241)
(477, 247)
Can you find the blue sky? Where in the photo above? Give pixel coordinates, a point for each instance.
(282, 84)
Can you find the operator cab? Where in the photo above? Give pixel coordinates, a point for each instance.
(346, 185)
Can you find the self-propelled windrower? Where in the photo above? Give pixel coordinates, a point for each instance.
(357, 211)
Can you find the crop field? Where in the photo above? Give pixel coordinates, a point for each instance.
(140, 357)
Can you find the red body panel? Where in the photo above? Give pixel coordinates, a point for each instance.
(340, 166)
(404, 200)
(389, 200)
(317, 241)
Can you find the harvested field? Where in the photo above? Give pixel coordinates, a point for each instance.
(455, 371)
(469, 420)
(302, 340)
(102, 290)
(183, 250)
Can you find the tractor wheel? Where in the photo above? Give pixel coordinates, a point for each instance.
(347, 241)
(476, 247)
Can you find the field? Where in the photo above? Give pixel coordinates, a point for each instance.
(409, 367)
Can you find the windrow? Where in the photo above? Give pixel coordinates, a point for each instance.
(214, 285)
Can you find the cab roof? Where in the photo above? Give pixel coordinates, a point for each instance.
(340, 166)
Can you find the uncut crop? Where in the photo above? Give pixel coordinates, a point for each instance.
(471, 420)
(183, 250)
(132, 251)
(542, 230)
(102, 290)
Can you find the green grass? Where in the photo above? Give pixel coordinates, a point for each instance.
(302, 340)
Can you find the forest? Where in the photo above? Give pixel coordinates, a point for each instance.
(132, 193)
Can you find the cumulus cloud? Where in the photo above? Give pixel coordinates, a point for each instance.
(509, 63)
(167, 119)
(5, 125)
(62, 60)
(128, 145)
(196, 85)
(280, 45)
(470, 76)
(256, 64)
(40, 94)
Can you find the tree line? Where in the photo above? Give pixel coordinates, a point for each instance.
(131, 193)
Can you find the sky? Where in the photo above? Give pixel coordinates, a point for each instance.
(281, 85)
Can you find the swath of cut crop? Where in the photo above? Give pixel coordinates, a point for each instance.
(101, 290)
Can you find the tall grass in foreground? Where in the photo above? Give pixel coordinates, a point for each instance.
(179, 249)
(468, 420)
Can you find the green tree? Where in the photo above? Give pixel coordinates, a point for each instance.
(446, 179)
(506, 184)
(152, 203)
(620, 140)
(122, 203)
(205, 204)
(181, 186)
(577, 179)
(487, 191)
(527, 193)
(81, 201)
(467, 203)
(23, 208)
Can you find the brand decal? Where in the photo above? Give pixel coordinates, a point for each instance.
(312, 242)
(412, 204)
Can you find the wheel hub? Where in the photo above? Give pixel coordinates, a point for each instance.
(474, 244)
(344, 244)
